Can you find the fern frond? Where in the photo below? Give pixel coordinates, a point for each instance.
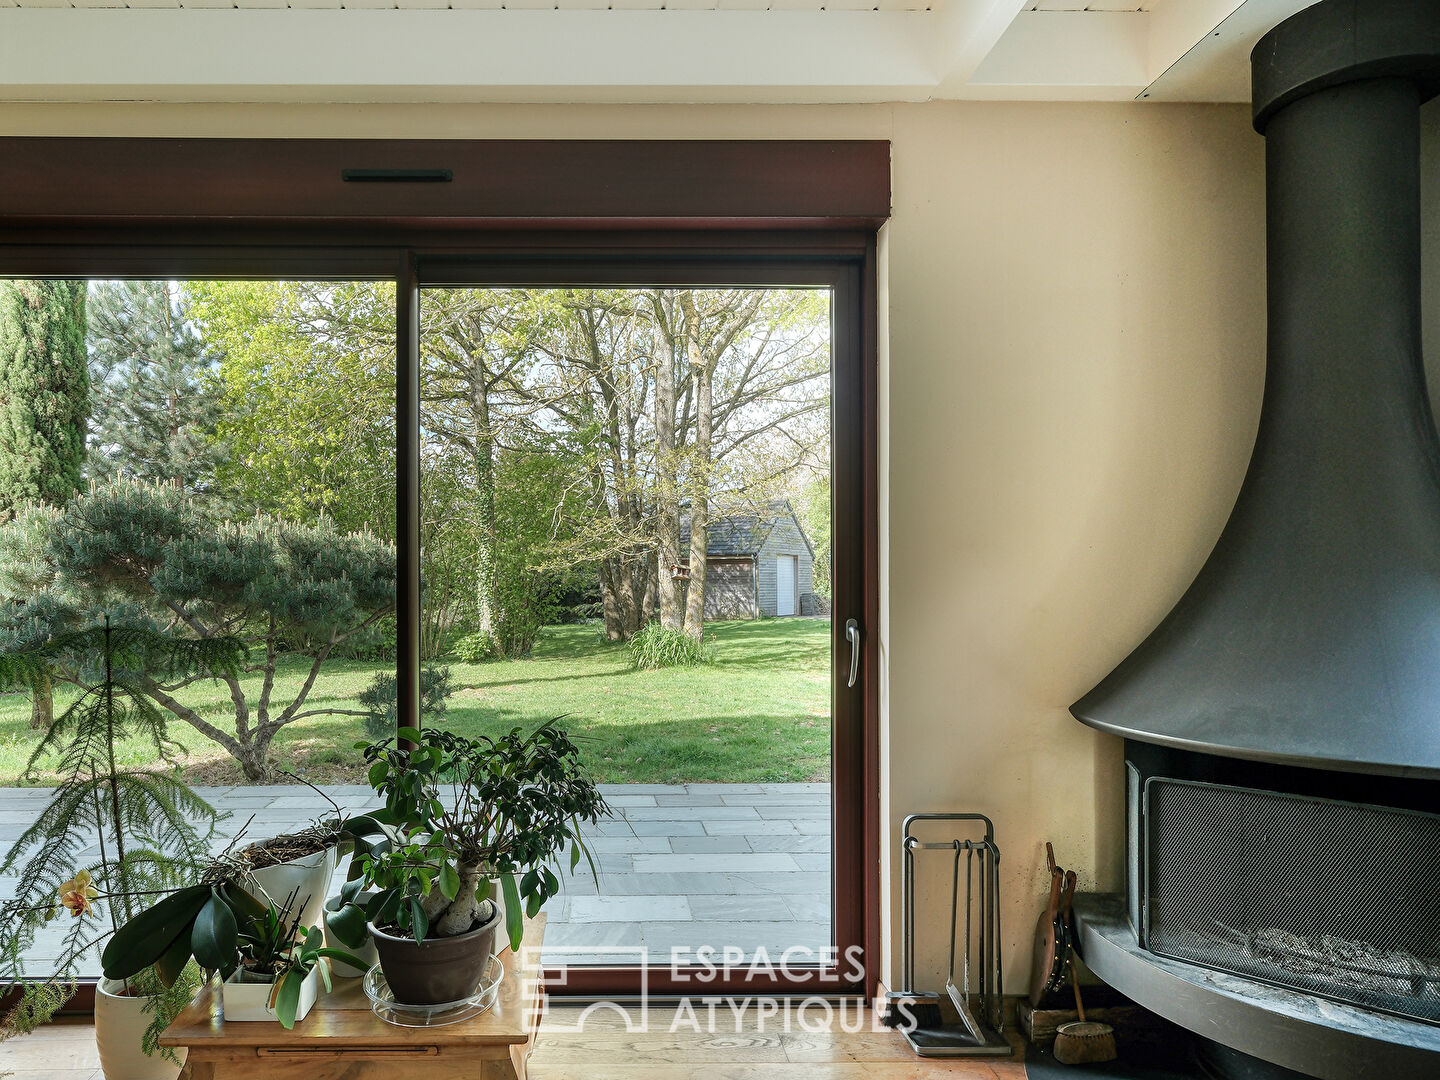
(38, 1003)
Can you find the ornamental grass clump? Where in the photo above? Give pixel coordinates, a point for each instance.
(657, 646)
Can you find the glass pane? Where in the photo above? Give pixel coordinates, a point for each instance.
(574, 440)
(204, 459)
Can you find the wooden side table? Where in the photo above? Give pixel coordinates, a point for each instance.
(342, 1039)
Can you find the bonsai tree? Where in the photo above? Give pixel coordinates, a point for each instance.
(153, 831)
(175, 563)
(460, 812)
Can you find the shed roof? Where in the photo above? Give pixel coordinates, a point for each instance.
(743, 534)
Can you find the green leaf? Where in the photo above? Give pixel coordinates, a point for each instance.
(173, 960)
(348, 927)
(419, 921)
(376, 776)
(514, 912)
(449, 881)
(213, 939)
(384, 906)
(410, 733)
(343, 956)
(287, 1001)
(246, 905)
(144, 939)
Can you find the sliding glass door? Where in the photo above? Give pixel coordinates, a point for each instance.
(624, 495)
(635, 520)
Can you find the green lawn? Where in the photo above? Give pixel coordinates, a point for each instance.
(760, 712)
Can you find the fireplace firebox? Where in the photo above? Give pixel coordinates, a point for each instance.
(1305, 882)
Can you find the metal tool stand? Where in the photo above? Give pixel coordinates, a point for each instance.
(981, 1022)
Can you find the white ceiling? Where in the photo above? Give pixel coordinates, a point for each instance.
(630, 50)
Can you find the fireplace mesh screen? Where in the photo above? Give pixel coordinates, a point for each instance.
(1331, 898)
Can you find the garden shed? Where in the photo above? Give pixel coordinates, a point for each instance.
(758, 564)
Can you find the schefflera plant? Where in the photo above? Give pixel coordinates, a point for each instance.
(460, 813)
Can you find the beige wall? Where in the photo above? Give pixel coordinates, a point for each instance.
(1073, 368)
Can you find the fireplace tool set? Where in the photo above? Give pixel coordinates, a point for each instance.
(979, 1024)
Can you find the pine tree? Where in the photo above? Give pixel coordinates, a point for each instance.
(156, 388)
(159, 557)
(44, 391)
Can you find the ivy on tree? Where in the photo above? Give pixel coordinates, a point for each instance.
(44, 391)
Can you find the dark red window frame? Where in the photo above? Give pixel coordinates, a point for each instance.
(519, 212)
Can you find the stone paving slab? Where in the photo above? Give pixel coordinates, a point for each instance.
(739, 865)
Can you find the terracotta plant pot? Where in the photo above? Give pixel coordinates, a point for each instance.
(120, 1020)
(436, 970)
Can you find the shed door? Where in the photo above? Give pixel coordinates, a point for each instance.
(785, 573)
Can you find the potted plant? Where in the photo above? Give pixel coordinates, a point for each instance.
(460, 816)
(278, 966)
(301, 862)
(350, 931)
(153, 835)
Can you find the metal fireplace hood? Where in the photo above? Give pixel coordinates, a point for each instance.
(1312, 635)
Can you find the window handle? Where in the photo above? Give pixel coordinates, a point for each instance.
(852, 635)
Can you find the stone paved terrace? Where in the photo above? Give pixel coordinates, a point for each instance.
(680, 866)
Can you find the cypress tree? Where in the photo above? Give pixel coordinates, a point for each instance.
(44, 391)
(156, 388)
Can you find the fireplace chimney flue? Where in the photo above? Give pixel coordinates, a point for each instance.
(1311, 636)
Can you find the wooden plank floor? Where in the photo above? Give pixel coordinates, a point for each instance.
(669, 1048)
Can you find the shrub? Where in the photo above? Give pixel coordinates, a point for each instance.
(656, 646)
(381, 695)
(374, 643)
(473, 648)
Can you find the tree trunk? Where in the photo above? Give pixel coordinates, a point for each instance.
(484, 513)
(42, 705)
(459, 915)
(667, 490)
(251, 755)
(651, 589)
(614, 630)
(701, 380)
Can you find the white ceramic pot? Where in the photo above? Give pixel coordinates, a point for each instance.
(242, 999)
(339, 968)
(310, 874)
(120, 1021)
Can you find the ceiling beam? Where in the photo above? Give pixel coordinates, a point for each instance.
(968, 32)
(964, 49)
(1176, 28)
(1091, 54)
(472, 55)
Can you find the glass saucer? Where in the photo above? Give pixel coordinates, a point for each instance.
(384, 1005)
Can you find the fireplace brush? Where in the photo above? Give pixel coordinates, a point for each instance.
(978, 1007)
